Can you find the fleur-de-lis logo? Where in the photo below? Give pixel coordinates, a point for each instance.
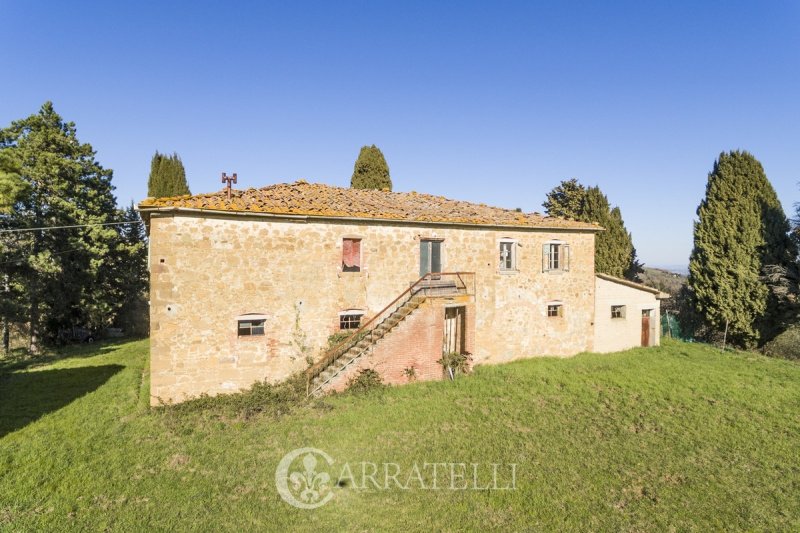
(309, 488)
(310, 481)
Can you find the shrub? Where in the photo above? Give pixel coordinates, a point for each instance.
(337, 338)
(366, 380)
(262, 398)
(786, 345)
(459, 363)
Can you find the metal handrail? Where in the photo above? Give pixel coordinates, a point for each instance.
(334, 353)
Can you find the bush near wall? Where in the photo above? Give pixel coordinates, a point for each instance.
(786, 345)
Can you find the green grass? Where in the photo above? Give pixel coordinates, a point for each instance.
(682, 437)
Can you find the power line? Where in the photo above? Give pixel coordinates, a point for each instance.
(48, 228)
(21, 258)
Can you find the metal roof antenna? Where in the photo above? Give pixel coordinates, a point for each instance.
(229, 180)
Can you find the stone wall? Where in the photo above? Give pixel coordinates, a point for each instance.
(615, 334)
(207, 270)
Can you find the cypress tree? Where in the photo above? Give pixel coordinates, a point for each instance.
(167, 176)
(614, 253)
(741, 235)
(371, 170)
(796, 229)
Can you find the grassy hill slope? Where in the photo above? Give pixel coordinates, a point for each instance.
(683, 436)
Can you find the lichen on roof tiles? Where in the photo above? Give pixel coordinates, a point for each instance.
(314, 199)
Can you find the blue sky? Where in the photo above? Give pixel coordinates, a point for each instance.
(491, 102)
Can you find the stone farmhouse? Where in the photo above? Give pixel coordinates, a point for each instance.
(325, 280)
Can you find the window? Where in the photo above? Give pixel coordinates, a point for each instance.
(555, 257)
(430, 256)
(617, 311)
(351, 255)
(508, 255)
(555, 310)
(350, 319)
(251, 327)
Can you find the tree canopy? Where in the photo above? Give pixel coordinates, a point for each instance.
(59, 276)
(12, 186)
(614, 251)
(167, 176)
(796, 228)
(743, 258)
(371, 170)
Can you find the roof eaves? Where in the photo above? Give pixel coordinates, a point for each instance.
(230, 212)
(633, 285)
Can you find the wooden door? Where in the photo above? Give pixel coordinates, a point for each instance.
(645, 329)
(454, 334)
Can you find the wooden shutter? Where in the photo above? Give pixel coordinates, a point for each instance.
(424, 257)
(355, 253)
(545, 258)
(565, 259)
(351, 255)
(436, 256)
(347, 250)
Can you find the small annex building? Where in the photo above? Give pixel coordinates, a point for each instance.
(626, 314)
(301, 277)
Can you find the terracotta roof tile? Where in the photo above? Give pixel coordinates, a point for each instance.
(312, 199)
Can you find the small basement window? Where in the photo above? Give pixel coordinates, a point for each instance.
(351, 255)
(251, 327)
(350, 319)
(617, 311)
(555, 310)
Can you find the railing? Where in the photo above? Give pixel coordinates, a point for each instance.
(427, 284)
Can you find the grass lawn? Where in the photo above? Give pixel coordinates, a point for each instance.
(682, 437)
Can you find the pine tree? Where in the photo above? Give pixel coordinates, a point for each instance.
(167, 176)
(566, 200)
(371, 170)
(740, 236)
(614, 251)
(61, 271)
(12, 187)
(131, 277)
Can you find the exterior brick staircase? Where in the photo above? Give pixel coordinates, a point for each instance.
(338, 359)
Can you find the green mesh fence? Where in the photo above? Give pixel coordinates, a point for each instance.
(671, 329)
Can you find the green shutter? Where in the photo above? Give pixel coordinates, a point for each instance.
(424, 257)
(436, 256)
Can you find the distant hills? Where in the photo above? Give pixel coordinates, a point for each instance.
(683, 270)
(665, 280)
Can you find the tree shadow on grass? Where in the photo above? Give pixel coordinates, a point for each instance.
(27, 396)
(22, 361)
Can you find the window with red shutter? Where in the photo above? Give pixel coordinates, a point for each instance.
(351, 255)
